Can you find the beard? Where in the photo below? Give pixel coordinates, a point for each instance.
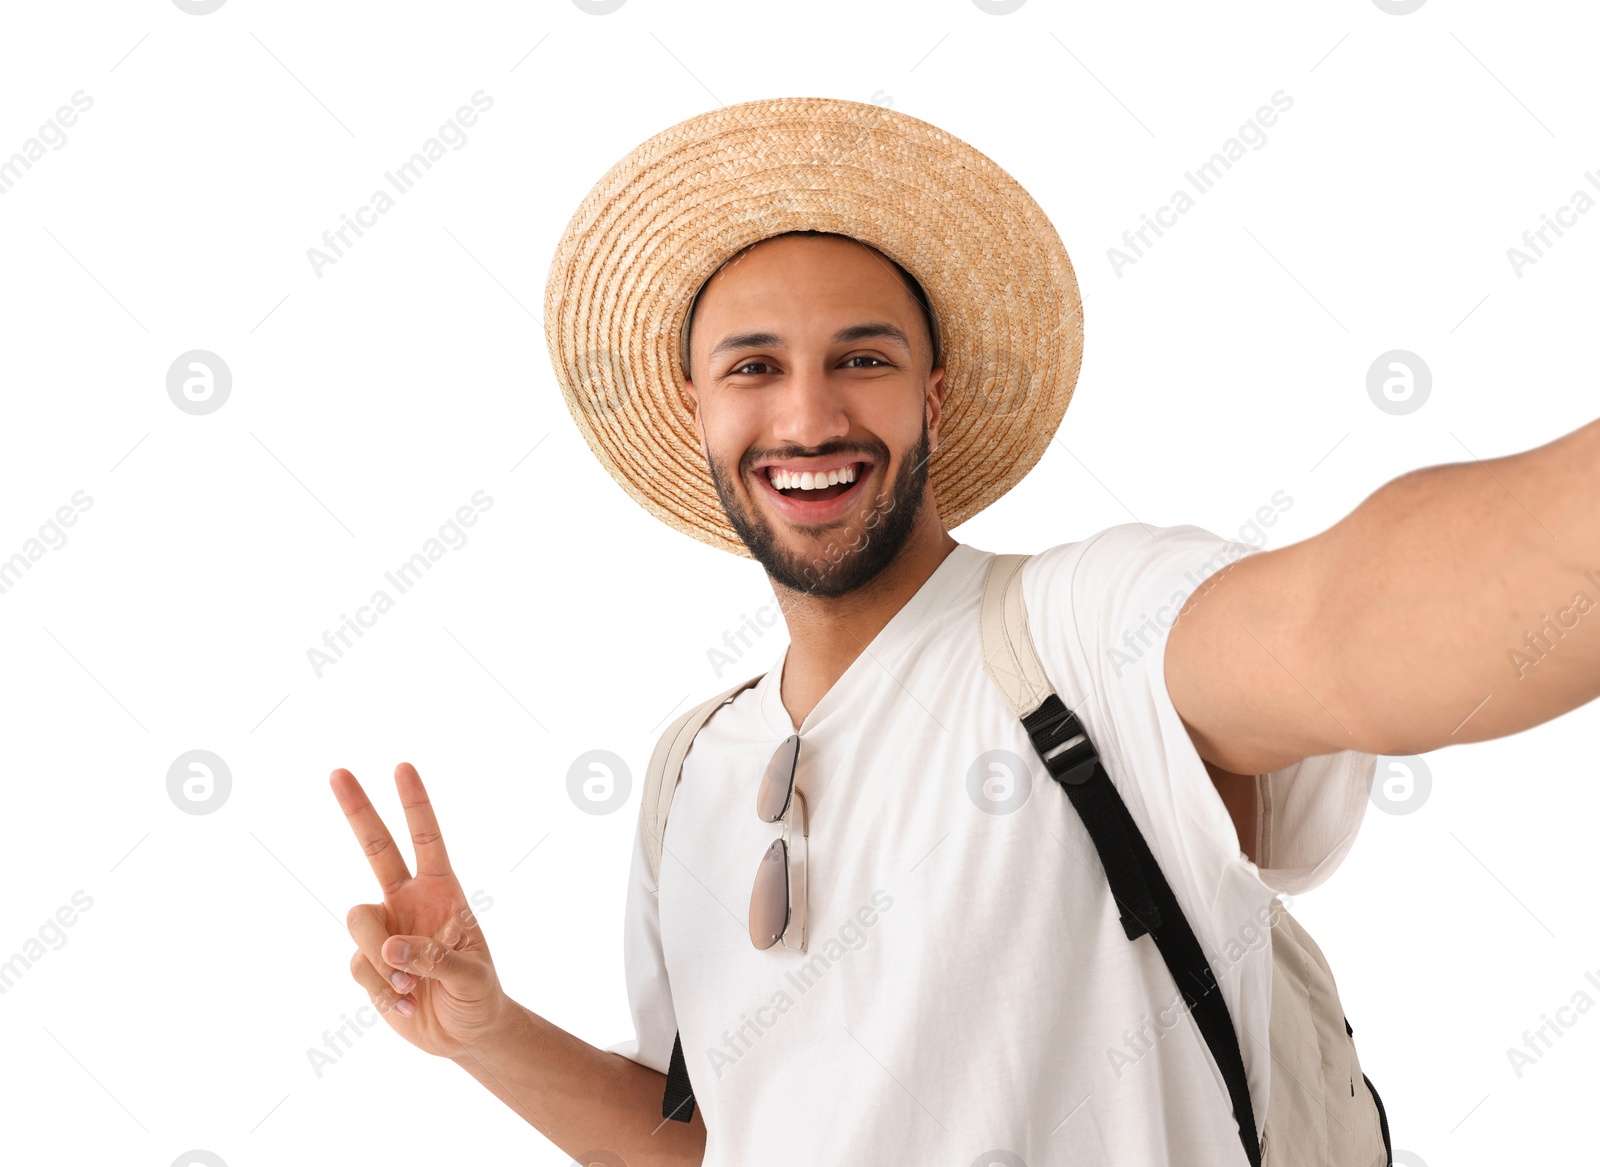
(852, 552)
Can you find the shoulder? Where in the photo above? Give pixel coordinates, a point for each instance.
(1105, 601)
(1126, 563)
(1127, 548)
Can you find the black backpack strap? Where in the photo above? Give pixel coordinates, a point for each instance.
(678, 1101)
(1143, 895)
(1077, 768)
(1144, 898)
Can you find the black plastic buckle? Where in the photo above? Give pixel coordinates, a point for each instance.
(1050, 727)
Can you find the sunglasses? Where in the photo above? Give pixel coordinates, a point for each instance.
(776, 911)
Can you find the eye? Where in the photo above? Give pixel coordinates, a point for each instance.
(864, 357)
(748, 365)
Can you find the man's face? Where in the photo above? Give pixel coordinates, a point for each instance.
(809, 354)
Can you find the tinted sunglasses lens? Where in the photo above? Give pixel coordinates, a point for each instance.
(769, 899)
(777, 784)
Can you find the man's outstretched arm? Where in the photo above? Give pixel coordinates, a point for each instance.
(1457, 603)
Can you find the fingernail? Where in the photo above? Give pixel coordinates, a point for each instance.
(402, 953)
(400, 980)
(405, 1007)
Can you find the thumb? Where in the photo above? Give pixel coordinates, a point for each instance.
(424, 956)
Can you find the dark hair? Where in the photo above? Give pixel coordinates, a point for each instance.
(912, 286)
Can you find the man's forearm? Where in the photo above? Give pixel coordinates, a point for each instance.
(580, 1097)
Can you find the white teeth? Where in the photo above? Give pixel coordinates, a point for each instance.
(809, 480)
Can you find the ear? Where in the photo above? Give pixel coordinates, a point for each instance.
(935, 406)
(699, 426)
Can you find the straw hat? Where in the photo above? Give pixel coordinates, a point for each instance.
(663, 219)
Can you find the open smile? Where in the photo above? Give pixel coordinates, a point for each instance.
(817, 504)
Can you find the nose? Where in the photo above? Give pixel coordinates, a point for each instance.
(810, 409)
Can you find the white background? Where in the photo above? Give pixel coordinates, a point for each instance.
(371, 401)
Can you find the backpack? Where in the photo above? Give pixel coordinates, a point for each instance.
(1316, 1116)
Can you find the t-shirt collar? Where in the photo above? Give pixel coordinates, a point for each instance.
(881, 653)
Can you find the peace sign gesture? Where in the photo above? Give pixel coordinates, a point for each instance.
(421, 954)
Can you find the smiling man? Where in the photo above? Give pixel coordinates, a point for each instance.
(980, 929)
(876, 372)
(840, 381)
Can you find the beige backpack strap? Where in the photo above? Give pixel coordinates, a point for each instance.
(1143, 896)
(1007, 645)
(666, 764)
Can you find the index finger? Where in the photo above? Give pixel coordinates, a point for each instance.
(376, 841)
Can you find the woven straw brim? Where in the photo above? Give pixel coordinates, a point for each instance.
(666, 216)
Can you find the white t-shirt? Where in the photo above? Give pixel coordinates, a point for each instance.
(967, 989)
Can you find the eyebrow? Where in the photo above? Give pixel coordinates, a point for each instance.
(866, 331)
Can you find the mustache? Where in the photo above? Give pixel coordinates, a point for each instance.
(878, 454)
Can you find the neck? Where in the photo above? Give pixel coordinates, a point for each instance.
(827, 633)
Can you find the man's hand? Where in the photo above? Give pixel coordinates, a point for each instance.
(579, 1097)
(421, 954)
(1422, 619)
